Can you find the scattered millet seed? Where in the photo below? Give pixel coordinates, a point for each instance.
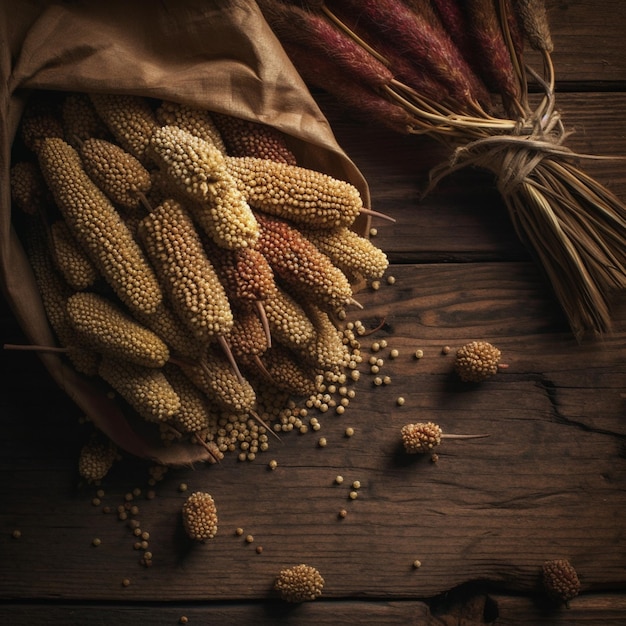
(375, 347)
(419, 354)
(417, 564)
(356, 484)
(259, 549)
(147, 556)
(137, 545)
(136, 492)
(349, 431)
(151, 494)
(273, 464)
(16, 534)
(128, 497)
(383, 343)
(100, 493)
(373, 232)
(183, 619)
(106, 509)
(378, 381)
(133, 524)
(182, 487)
(400, 401)
(125, 582)
(340, 409)
(134, 510)
(434, 458)
(96, 542)
(96, 502)
(145, 535)
(123, 515)
(339, 479)
(393, 354)
(143, 545)
(386, 380)
(249, 538)
(374, 369)
(355, 375)
(353, 495)
(445, 350)
(391, 280)
(342, 513)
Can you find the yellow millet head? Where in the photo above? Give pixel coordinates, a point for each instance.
(421, 438)
(476, 361)
(117, 173)
(200, 516)
(300, 583)
(95, 459)
(560, 580)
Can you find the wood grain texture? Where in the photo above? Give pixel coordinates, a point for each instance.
(548, 482)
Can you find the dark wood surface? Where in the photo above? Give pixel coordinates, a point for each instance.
(549, 481)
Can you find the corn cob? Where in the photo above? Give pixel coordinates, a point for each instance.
(217, 380)
(99, 228)
(145, 388)
(286, 373)
(246, 138)
(287, 320)
(194, 412)
(296, 193)
(130, 119)
(198, 169)
(352, 254)
(54, 293)
(28, 188)
(109, 330)
(71, 260)
(117, 172)
(196, 294)
(198, 122)
(306, 270)
(80, 120)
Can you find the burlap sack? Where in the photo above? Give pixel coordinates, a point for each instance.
(216, 54)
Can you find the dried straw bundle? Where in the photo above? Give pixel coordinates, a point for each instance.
(455, 70)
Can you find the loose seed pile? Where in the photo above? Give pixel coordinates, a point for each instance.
(187, 262)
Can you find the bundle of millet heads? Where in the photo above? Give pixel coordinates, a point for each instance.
(456, 70)
(186, 261)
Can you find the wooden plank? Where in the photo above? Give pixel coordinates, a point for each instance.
(496, 608)
(588, 40)
(490, 509)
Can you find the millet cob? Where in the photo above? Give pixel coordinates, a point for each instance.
(198, 169)
(98, 227)
(107, 329)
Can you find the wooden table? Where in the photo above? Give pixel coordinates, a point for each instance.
(549, 482)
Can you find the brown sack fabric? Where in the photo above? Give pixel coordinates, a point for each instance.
(219, 55)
